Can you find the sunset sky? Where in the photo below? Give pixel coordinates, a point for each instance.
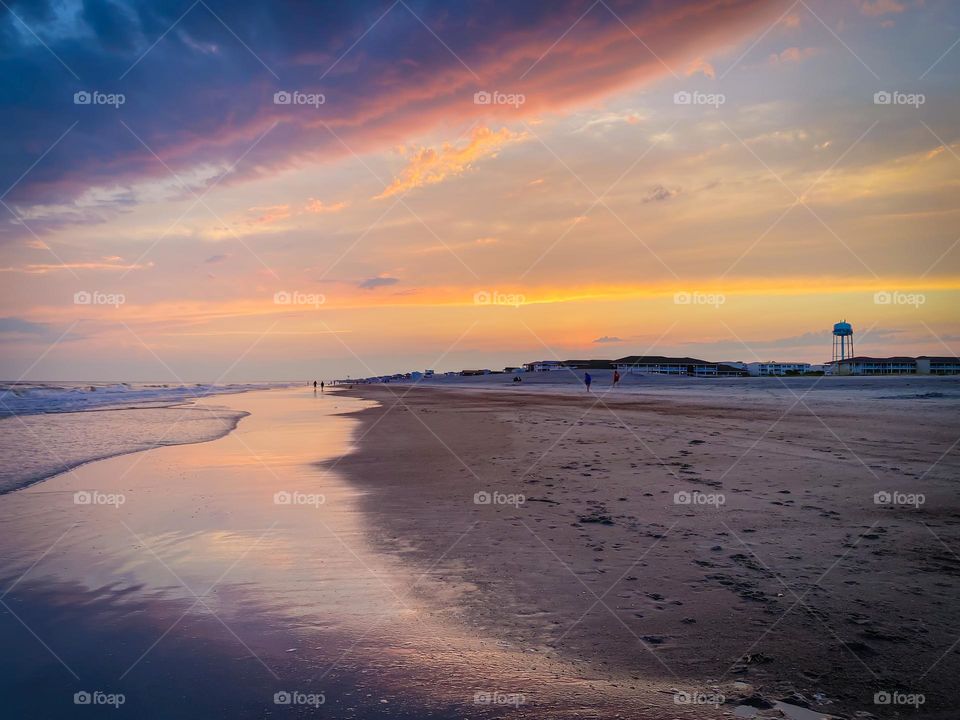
(472, 184)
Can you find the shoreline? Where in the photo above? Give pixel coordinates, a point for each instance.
(687, 595)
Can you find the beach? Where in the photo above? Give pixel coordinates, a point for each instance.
(672, 549)
(704, 532)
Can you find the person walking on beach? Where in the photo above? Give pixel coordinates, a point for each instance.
(314, 384)
(616, 378)
(587, 380)
(321, 386)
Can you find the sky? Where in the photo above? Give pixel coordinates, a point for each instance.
(229, 191)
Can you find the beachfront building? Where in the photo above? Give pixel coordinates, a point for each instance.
(588, 364)
(938, 365)
(768, 369)
(660, 365)
(862, 365)
(543, 366)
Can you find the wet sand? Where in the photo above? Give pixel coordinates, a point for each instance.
(187, 587)
(798, 586)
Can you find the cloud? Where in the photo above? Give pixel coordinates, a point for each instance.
(794, 55)
(608, 339)
(428, 166)
(215, 259)
(318, 207)
(377, 282)
(877, 8)
(269, 214)
(659, 193)
(19, 325)
(44, 268)
(197, 97)
(701, 66)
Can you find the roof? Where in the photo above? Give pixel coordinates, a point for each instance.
(866, 358)
(933, 358)
(595, 364)
(660, 360)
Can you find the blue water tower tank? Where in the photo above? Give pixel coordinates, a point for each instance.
(843, 329)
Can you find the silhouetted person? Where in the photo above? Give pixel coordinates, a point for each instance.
(314, 384)
(321, 386)
(587, 380)
(616, 378)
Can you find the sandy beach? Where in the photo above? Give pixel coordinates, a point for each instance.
(801, 584)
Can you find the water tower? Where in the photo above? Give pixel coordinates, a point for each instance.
(842, 341)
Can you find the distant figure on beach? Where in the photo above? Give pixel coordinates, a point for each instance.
(321, 385)
(587, 380)
(314, 384)
(616, 378)
(517, 378)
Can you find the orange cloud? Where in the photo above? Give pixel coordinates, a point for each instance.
(318, 207)
(701, 65)
(429, 166)
(269, 214)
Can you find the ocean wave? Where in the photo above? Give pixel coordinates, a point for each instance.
(33, 398)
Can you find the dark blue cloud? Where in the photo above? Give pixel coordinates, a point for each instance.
(198, 80)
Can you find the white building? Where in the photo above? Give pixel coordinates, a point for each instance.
(768, 369)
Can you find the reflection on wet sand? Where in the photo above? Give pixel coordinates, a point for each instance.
(238, 568)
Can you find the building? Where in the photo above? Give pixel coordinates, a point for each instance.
(938, 365)
(588, 364)
(862, 365)
(768, 369)
(543, 366)
(660, 365)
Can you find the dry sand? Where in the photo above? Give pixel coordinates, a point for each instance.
(799, 583)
